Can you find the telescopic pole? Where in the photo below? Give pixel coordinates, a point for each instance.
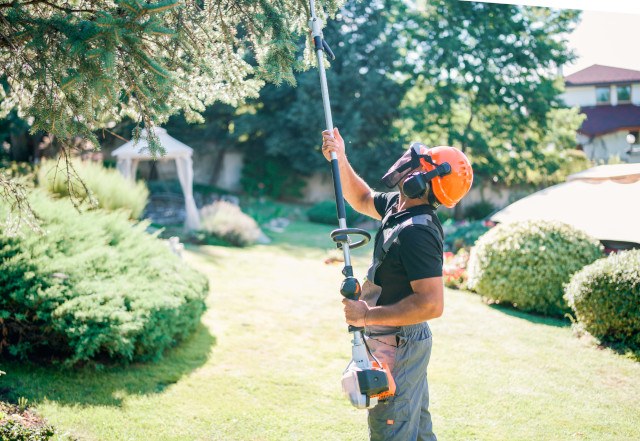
(316, 31)
(350, 287)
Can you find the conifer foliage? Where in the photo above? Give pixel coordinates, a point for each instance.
(77, 65)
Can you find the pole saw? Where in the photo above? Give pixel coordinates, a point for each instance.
(363, 381)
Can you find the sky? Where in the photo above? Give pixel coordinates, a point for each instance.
(606, 35)
(627, 6)
(606, 38)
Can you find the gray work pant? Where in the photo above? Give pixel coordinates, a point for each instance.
(405, 416)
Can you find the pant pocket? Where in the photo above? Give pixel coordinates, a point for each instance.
(388, 420)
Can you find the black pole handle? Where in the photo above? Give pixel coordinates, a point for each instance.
(328, 50)
(341, 235)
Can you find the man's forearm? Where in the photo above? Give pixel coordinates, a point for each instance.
(408, 311)
(355, 190)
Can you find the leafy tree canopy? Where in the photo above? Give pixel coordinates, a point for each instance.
(482, 77)
(74, 66)
(487, 81)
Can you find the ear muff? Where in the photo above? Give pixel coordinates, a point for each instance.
(415, 186)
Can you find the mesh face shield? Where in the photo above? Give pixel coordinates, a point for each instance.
(406, 164)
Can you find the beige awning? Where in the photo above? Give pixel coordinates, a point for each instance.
(603, 201)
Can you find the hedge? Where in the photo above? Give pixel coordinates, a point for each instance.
(527, 264)
(93, 287)
(325, 213)
(605, 297)
(106, 186)
(463, 235)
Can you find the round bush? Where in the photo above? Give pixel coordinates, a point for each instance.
(605, 297)
(527, 264)
(93, 286)
(226, 221)
(325, 213)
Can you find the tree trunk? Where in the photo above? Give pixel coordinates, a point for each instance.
(218, 160)
(20, 149)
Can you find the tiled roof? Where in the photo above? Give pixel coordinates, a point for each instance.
(598, 74)
(606, 119)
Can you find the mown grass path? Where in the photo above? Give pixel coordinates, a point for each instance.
(266, 365)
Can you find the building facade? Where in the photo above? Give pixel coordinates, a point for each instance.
(610, 99)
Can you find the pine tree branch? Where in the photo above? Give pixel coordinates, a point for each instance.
(72, 176)
(16, 3)
(7, 38)
(15, 194)
(111, 132)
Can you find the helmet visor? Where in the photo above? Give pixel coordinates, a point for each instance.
(408, 162)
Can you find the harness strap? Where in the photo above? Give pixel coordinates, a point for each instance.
(390, 236)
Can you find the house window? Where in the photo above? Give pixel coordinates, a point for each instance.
(624, 93)
(603, 95)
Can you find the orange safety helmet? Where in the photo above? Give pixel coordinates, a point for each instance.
(451, 188)
(445, 170)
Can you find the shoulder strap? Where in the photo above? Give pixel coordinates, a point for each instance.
(391, 235)
(386, 217)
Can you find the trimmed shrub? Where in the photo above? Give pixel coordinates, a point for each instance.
(605, 297)
(12, 430)
(226, 221)
(479, 210)
(110, 190)
(93, 287)
(18, 424)
(325, 213)
(526, 264)
(463, 235)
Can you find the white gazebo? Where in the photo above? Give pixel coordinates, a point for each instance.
(130, 154)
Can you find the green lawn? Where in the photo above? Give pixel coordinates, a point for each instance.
(267, 361)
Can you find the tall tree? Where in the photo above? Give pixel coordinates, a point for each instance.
(367, 83)
(487, 81)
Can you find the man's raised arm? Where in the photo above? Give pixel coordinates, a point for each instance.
(356, 191)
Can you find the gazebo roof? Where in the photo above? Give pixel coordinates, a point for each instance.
(613, 172)
(614, 188)
(173, 147)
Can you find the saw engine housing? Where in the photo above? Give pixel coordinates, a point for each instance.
(365, 387)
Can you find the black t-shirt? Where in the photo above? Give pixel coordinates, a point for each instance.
(417, 254)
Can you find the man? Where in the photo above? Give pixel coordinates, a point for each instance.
(404, 286)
